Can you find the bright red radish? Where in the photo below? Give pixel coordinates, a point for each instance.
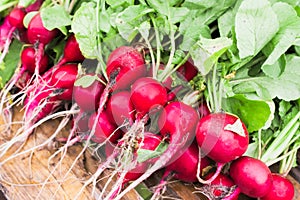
(104, 128)
(125, 65)
(16, 17)
(147, 93)
(64, 78)
(72, 52)
(222, 186)
(185, 167)
(38, 33)
(222, 132)
(88, 98)
(28, 60)
(282, 188)
(120, 107)
(252, 176)
(34, 6)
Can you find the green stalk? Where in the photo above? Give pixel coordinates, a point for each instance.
(279, 144)
(259, 144)
(158, 45)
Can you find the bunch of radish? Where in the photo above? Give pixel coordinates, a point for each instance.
(142, 111)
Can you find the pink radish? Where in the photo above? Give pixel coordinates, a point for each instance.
(282, 188)
(147, 94)
(34, 6)
(252, 176)
(221, 132)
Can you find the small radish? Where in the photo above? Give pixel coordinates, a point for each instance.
(252, 176)
(221, 132)
(88, 98)
(222, 187)
(5, 33)
(104, 128)
(120, 107)
(38, 34)
(16, 17)
(64, 78)
(282, 188)
(34, 6)
(147, 93)
(184, 168)
(28, 60)
(71, 53)
(125, 65)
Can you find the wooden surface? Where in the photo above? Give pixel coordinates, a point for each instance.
(23, 177)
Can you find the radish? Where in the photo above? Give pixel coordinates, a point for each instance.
(64, 78)
(16, 17)
(178, 122)
(5, 33)
(104, 128)
(120, 108)
(220, 188)
(28, 60)
(88, 98)
(221, 132)
(38, 34)
(147, 94)
(34, 6)
(188, 70)
(282, 188)
(203, 109)
(251, 176)
(184, 168)
(125, 65)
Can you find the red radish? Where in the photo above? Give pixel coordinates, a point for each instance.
(81, 121)
(147, 93)
(221, 132)
(16, 17)
(38, 33)
(167, 83)
(64, 78)
(88, 98)
(125, 65)
(104, 128)
(179, 121)
(120, 107)
(34, 6)
(252, 176)
(28, 60)
(72, 52)
(220, 188)
(282, 188)
(5, 33)
(188, 70)
(185, 167)
(216, 133)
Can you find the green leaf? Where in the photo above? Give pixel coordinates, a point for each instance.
(244, 109)
(84, 26)
(86, 81)
(104, 21)
(206, 52)
(5, 5)
(25, 3)
(11, 60)
(255, 25)
(145, 154)
(285, 87)
(178, 14)
(289, 30)
(118, 3)
(55, 17)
